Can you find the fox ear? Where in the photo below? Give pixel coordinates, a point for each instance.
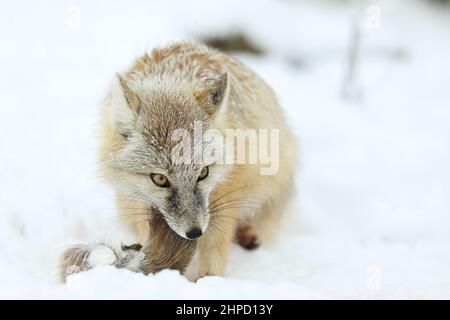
(219, 90)
(215, 94)
(125, 103)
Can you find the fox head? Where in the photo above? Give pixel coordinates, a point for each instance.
(143, 114)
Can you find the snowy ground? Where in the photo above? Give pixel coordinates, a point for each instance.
(372, 215)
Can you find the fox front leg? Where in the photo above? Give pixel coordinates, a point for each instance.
(215, 244)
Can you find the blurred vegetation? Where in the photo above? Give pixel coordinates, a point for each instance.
(440, 1)
(236, 42)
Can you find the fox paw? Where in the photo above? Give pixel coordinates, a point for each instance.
(247, 237)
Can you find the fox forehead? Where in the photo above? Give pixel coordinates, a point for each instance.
(161, 115)
(147, 154)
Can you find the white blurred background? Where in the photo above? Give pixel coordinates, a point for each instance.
(365, 85)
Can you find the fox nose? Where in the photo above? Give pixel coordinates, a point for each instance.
(194, 233)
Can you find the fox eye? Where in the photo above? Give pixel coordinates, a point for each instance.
(203, 174)
(160, 180)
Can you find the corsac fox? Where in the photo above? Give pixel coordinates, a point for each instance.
(178, 89)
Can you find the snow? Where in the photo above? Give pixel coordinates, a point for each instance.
(371, 218)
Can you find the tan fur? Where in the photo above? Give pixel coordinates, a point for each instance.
(73, 260)
(250, 104)
(166, 250)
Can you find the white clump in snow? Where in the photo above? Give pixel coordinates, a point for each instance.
(371, 218)
(101, 255)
